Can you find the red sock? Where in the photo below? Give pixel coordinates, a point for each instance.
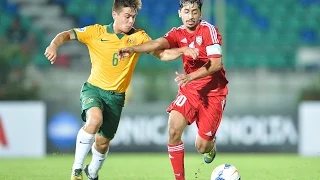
(176, 155)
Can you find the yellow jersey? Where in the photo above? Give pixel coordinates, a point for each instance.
(107, 71)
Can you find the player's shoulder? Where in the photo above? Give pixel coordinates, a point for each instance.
(175, 31)
(207, 26)
(178, 29)
(138, 31)
(94, 28)
(138, 36)
(100, 27)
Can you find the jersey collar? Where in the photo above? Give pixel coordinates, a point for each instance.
(111, 31)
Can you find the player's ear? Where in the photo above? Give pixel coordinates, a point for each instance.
(114, 14)
(179, 13)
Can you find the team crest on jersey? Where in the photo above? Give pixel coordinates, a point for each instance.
(131, 41)
(199, 40)
(81, 29)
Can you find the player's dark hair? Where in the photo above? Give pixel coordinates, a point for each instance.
(183, 2)
(119, 4)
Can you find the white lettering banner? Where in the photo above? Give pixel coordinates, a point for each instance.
(273, 130)
(309, 124)
(22, 129)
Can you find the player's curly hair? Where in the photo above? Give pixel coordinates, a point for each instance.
(118, 4)
(183, 2)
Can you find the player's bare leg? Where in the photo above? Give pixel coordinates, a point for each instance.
(85, 140)
(204, 146)
(207, 148)
(177, 124)
(100, 151)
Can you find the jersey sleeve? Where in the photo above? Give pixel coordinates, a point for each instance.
(213, 41)
(86, 34)
(171, 37)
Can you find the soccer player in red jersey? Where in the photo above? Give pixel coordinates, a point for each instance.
(202, 87)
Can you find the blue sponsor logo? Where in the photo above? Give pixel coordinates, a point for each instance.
(63, 129)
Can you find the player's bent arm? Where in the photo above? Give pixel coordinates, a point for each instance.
(62, 38)
(214, 65)
(151, 46)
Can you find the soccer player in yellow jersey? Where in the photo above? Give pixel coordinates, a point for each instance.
(102, 96)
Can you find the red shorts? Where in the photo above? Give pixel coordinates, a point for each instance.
(205, 110)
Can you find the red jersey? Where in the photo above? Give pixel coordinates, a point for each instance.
(207, 39)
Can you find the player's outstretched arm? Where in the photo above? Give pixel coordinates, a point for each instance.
(172, 54)
(58, 40)
(151, 46)
(148, 47)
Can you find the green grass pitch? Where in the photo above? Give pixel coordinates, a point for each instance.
(157, 167)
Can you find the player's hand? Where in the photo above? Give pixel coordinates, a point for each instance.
(51, 53)
(182, 79)
(125, 52)
(192, 52)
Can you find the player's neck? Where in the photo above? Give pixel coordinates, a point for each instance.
(193, 29)
(116, 30)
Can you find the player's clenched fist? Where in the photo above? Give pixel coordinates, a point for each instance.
(125, 52)
(51, 53)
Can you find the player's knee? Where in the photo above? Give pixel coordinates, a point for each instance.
(176, 126)
(103, 148)
(92, 126)
(102, 145)
(94, 122)
(175, 133)
(203, 146)
(94, 119)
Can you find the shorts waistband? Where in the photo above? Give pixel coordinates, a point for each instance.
(107, 91)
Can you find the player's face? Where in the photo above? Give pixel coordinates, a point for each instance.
(190, 15)
(124, 19)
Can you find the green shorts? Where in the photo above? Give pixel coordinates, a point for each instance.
(111, 104)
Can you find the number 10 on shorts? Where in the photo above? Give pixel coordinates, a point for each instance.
(180, 100)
